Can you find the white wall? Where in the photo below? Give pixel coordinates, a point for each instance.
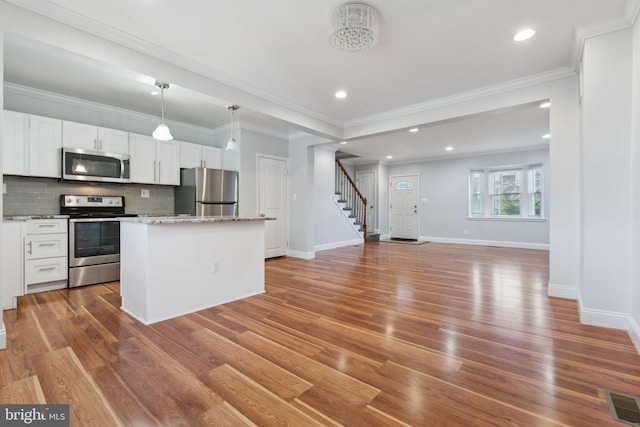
(605, 290)
(332, 229)
(445, 214)
(635, 190)
(3, 333)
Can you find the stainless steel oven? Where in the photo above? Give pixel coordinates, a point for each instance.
(94, 238)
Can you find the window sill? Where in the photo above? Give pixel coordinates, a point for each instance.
(506, 218)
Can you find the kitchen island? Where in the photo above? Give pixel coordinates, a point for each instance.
(171, 266)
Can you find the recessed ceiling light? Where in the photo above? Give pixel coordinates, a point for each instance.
(155, 93)
(413, 130)
(449, 148)
(546, 104)
(547, 136)
(389, 157)
(341, 94)
(524, 34)
(343, 143)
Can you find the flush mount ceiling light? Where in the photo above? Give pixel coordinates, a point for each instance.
(413, 130)
(524, 34)
(449, 148)
(355, 27)
(162, 132)
(232, 145)
(343, 142)
(546, 104)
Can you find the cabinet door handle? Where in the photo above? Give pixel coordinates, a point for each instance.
(46, 244)
(46, 268)
(30, 250)
(155, 167)
(204, 163)
(46, 225)
(159, 173)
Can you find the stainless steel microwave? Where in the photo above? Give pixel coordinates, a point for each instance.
(85, 165)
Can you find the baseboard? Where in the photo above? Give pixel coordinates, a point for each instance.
(300, 254)
(338, 245)
(562, 291)
(3, 335)
(501, 244)
(385, 236)
(634, 333)
(603, 318)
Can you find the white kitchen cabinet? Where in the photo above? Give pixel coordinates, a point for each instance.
(45, 255)
(94, 138)
(154, 162)
(12, 263)
(45, 142)
(31, 145)
(14, 146)
(199, 156)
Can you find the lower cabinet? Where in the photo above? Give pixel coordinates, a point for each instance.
(45, 255)
(34, 258)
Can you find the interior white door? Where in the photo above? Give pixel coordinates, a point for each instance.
(272, 203)
(365, 181)
(403, 194)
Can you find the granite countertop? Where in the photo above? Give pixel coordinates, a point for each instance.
(29, 217)
(188, 219)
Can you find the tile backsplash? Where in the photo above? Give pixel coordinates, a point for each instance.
(41, 196)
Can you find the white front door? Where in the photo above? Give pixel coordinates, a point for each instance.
(272, 203)
(366, 184)
(403, 198)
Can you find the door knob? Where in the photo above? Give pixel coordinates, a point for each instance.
(262, 215)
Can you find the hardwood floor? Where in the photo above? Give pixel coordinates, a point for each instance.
(376, 335)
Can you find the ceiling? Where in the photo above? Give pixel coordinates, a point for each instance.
(279, 52)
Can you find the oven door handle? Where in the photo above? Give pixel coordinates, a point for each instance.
(94, 220)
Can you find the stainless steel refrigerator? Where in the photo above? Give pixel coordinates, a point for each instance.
(207, 192)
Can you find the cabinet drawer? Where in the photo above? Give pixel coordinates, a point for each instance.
(45, 270)
(38, 246)
(46, 226)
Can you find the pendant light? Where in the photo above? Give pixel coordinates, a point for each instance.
(232, 145)
(162, 132)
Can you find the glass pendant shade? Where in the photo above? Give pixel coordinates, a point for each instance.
(162, 133)
(232, 145)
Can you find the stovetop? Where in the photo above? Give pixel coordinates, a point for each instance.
(80, 206)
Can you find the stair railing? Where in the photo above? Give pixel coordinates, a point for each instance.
(351, 196)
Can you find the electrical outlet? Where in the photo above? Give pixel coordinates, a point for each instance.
(215, 266)
(144, 192)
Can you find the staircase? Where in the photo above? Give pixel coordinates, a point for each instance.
(351, 199)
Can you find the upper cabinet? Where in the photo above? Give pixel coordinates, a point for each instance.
(31, 145)
(199, 156)
(14, 148)
(94, 138)
(154, 162)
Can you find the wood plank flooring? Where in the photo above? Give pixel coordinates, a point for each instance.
(379, 334)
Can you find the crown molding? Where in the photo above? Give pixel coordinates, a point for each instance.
(582, 34)
(70, 101)
(63, 15)
(631, 10)
(532, 80)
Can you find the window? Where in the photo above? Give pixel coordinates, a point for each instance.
(509, 192)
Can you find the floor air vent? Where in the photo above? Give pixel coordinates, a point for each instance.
(624, 408)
